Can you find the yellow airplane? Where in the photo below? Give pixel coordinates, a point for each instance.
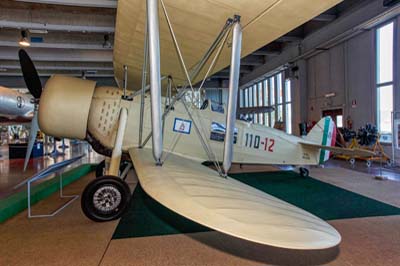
(119, 123)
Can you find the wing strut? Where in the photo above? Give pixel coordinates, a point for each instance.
(144, 80)
(233, 92)
(155, 78)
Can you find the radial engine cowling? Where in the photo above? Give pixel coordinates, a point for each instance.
(64, 107)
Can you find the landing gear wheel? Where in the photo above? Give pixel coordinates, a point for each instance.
(352, 161)
(105, 199)
(304, 172)
(101, 171)
(369, 163)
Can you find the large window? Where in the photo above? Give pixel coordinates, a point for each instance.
(273, 91)
(384, 77)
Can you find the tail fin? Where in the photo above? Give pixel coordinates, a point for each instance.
(323, 133)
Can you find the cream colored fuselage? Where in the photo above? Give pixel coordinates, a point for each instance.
(255, 144)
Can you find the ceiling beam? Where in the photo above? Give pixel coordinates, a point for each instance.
(54, 27)
(57, 45)
(18, 82)
(325, 18)
(243, 69)
(267, 52)
(288, 38)
(57, 55)
(53, 67)
(252, 60)
(81, 3)
(77, 74)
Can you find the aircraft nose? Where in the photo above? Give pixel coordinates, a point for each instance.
(64, 106)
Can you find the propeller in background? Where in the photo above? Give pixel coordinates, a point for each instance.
(34, 86)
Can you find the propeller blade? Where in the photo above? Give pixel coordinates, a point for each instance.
(30, 74)
(32, 138)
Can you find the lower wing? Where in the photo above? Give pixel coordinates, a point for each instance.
(229, 206)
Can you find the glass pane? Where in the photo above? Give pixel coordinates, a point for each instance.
(255, 118)
(385, 53)
(288, 90)
(260, 94)
(289, 118)
(280, 113)
(339, 121)
(255, 102)
(266, 119)
(250, 97)
(279, 87)
(272, 90)
(261, 118)
(266, 96)
(272, 122)
(385, 108)
(246, 97)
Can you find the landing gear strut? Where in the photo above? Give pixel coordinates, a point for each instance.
(101, 168)
(105, 198)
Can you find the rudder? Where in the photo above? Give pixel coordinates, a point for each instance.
(323, 133)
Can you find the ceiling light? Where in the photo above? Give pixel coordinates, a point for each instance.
(23, 41)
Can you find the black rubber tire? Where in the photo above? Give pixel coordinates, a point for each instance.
(304, 172)
(100, 168)
(88, 205)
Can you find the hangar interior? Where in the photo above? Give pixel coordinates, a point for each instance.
(338, 61)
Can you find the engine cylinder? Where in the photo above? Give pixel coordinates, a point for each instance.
(64, 107)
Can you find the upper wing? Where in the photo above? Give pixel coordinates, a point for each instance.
(196, 25)
(224, 204)
(338, 150)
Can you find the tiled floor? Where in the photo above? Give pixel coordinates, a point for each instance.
(71, 239)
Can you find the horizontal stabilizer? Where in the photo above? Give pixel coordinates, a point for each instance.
(340, 151)
(229, 206)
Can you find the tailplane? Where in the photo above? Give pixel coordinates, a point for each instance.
(323, 133)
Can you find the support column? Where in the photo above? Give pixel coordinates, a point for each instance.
(233, 92)
(155, 78)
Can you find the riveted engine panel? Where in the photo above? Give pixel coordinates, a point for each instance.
(104, 114)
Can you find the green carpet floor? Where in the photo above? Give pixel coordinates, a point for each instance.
(18, 202)
(146, 217)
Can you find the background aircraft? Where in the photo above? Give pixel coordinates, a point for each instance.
(15, 106)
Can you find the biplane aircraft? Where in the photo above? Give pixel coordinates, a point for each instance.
(120, 123)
